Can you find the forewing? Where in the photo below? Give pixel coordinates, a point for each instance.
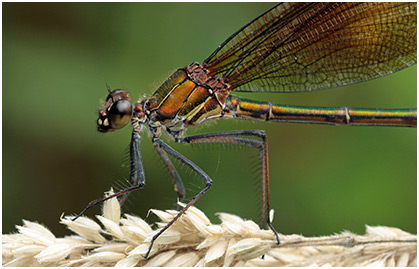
(310, 46)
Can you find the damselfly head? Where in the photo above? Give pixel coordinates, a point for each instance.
(116, 111)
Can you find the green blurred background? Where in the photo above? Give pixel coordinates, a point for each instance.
(324, 179)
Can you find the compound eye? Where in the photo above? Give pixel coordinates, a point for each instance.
(120, 114)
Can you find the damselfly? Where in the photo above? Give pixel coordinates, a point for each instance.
(292, 47)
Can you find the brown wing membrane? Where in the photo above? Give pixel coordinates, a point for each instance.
(311, 46)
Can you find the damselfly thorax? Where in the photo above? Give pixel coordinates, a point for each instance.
(188, 97)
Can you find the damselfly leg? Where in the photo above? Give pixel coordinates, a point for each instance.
(235, 137)
(180, 189)
(207, 180)
(136, 174)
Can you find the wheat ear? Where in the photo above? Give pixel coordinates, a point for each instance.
(194, 241)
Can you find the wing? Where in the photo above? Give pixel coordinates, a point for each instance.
(311, 46)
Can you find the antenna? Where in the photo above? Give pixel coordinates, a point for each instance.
(107, 86)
